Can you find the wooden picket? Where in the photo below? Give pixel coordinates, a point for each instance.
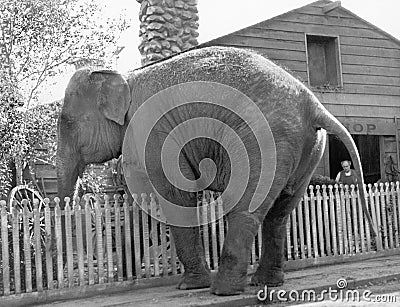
(17, 265)
(5, 250)
(89, 240)
(333, 219)
(108, 237)
(127, 236)
(97, 240)
(396, 214)
(307, 224)
(79, 240)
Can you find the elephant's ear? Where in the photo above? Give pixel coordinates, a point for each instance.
(113, 97)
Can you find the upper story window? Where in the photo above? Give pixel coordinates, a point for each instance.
(323, 61)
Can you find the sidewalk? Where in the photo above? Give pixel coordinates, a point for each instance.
(317, 278)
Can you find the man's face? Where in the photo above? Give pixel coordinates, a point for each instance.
(346, 166)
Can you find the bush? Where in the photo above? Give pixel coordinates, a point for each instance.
(321, 180)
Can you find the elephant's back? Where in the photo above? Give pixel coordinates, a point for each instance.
(245, 70)
(276, 93)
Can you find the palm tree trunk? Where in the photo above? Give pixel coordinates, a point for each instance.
(167, 27)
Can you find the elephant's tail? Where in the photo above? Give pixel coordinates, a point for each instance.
(325, 120)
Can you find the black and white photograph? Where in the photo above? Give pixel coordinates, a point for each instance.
(199, 153)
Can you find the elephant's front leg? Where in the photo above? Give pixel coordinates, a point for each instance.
(191, 253)
(231, 278)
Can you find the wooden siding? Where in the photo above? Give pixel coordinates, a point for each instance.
(370, 59)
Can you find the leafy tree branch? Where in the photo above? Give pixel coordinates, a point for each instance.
(38, 40)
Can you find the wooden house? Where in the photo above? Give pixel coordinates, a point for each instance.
(351, 65)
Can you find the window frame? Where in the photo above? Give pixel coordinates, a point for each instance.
(338, 63)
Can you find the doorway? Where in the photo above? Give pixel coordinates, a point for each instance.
(368, 147)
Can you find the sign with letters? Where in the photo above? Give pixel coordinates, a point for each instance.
(372, 126)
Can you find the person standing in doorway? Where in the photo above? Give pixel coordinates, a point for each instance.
(347, 176)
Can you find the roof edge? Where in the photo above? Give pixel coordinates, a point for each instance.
(269, 19)
(394, 39)
(389, 36)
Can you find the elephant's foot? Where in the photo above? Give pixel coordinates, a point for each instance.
(194, 281)
(271, 278)
(228, 286)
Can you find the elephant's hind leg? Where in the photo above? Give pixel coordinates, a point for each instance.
(231, 278)
(270, 269)
(243, 225)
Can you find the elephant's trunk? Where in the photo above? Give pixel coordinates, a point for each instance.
(68, 169)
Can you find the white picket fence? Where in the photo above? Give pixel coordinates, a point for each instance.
(117, 240)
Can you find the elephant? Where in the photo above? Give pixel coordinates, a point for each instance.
(99, 105)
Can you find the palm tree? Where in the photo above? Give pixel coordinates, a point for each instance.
(167, 27)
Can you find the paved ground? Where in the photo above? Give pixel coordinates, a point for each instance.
(364, 274)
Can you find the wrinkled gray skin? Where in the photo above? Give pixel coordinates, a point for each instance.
(99, 104)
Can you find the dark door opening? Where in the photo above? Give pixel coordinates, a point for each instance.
(337, 153)
(368, 147)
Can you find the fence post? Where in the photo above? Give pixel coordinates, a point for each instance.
(59, 237)
(374, 213)
(367, 229)
(288, 238)
(136, 236)
(389, 209)
(326, 221)
(128, 246)
(118, 237)
(37, 246)
(361, 222)
(213, 205)
(339, 210)
(155, 248)
(396, 212)
(320, 222)
(347, 219)
(383, 216)
(205, 221)
(221, 226)
(145, 232)
(68, 234)
(48, 243)
(380, 234)
(16, 220)
(333, 220)
(90, 223)
(79, 240)
(108, 237)
(99, 240)
(164, 236)
(27, 246)
(173, 255)
(314, 221)
(294, 234)
(300, 219)
(307, 224)
(4, 248)
(354, 218)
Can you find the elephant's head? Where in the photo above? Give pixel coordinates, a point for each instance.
(91, 123)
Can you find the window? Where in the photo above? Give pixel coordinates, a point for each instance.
(323, 61)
